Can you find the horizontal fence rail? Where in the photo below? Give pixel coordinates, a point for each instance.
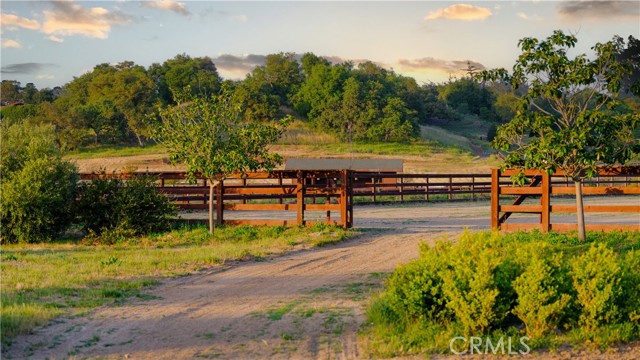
(300, 192)
(610, 181)
(283, 191)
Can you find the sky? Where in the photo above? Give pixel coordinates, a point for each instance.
(48, 43)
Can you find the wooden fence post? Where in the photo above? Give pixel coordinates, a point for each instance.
(343, 199)
(300, 199)
(545, 202)
(220, 203)
(495, 198)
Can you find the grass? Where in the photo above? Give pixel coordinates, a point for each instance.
(416, 148)
(43, 281)
(100, 151)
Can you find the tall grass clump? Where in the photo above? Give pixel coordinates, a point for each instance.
(550, 288)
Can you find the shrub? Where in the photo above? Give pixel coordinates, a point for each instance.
(629, 301)
(475, 269)
(38, 187)
(596, 279)
(414, 290)
(116, 206)
(541, 302)
(37, 200)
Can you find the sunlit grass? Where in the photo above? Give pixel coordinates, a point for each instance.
(100, 151)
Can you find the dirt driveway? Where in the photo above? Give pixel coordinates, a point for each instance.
(303, 305)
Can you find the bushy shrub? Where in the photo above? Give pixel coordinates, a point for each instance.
(38, 186)
(491, 284)
(596, 279)
(476, 272)
(414, 290)
(114, 205)
(541, 301)
(37, 200)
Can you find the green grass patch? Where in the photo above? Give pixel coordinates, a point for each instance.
(417, 148)
(551, 288)
(43, 281)
(100, 151)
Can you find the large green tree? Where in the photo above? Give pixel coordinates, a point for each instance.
(567, 120)
(212, 139)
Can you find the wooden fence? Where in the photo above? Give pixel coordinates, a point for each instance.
(613, 181)
(279, 191)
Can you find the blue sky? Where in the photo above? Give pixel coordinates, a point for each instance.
(50, 42)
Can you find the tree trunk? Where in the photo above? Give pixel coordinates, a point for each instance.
(211, 222)
(580, 210)
(140, 142)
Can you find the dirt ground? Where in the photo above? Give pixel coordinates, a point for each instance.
(304, 305)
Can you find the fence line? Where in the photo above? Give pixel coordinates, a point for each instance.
(612, 181)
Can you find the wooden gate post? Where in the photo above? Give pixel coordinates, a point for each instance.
(220, 203)
(545, 202)
(495, 199)
(343, 198)
(300, 199)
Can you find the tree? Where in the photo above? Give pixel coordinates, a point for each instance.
(567, 120)
(10, 91)
(199, 74)
(211, 138)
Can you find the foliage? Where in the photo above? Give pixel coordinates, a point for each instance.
(210, 137)
(596, 278)
(112, 208)
(542, 297)
(468, 96)
(37, 200)
(490, 285)
(198, 75)
(38, 187)
(566, 121)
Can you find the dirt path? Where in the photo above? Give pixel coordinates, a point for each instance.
(303, 305)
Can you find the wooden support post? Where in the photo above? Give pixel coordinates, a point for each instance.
(473, 188)
(450, 187)
(328, 202)
(244, 185)
(220, 203)
(426, 195)
(343, 199)
(545, 202)
(401, 189)
(280, 184)
(495, 198)
(350, 198)
(300, 199)
(373, 187)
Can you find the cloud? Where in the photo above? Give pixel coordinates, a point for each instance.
(13, 21)
(238, 65)
(46, 77)
(598, 10)
(460, 12)
(68, 18)
(433, 64)
(8, 43)
(55, 39)
(176, 7)
(25, 68)
(522, 15)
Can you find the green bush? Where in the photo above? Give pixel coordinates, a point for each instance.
(541, 302)
(596, 278)
(38, 187)
(414, 290)
(37, 201)
(112, 207)
(477, 270)
(490, 284)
